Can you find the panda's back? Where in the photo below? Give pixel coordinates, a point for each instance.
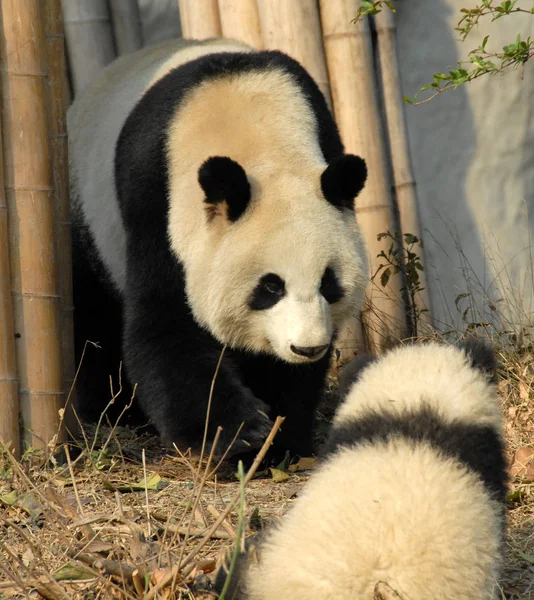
(94, 123)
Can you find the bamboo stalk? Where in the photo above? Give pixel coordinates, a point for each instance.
(352, 78)
(127, 29)
(295, 28)
(240, 20)
(9, 388)
(400, 152)
(200, 19)
(28, 183)
(58, 100)
(89, 39)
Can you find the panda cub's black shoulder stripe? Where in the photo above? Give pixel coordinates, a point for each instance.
(480, 448)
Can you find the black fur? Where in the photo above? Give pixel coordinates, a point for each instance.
(482, 357)
(343, 180)
(480, 448)
(331, 289)
(225, 180)
(172, 359)
(269, 291)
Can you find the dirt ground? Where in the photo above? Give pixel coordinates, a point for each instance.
(115, 520)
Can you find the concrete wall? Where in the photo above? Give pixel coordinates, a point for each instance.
(473, 155)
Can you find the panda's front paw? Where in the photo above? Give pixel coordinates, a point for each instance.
(256, 427)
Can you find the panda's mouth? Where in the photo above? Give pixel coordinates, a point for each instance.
(309, 353)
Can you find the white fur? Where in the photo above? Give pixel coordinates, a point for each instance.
(440, 375)
(395, 511)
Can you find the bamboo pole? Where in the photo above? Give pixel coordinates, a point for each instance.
(200, 19)
(240, 20)
(350, 65)
(89, 39)
(9, 388)
(400, 151)
(127, 29)
(28, 182)
(58, 100)
(295, 28)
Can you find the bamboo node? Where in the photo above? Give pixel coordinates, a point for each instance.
(35, 295)
(23, 188)
(30, 393)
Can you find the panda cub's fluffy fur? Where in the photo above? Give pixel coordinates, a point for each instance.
(411, 492)
(213, 204)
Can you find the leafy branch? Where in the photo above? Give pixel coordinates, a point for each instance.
(401, 258)
(480, 61)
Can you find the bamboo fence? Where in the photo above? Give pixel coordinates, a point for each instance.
(240, 20)
(400, 152)
(29, 191)
(200, 19)
(127, 30)
(58, 100)
(356, 106)
(89, 36)
(295, 28)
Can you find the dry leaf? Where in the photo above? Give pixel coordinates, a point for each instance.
(384, 591)
(278, 476)
(523, 465)
(524, 391)
(304, 464)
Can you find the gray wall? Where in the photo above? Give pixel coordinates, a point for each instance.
(473, 155)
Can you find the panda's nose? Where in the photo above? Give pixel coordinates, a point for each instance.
(308, 351)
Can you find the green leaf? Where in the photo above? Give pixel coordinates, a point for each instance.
(526, 557)
(9, 499)
(384, 277)
(73, 572)
(408, 100)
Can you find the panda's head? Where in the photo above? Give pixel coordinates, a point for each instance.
(279, 262)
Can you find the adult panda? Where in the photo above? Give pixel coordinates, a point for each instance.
(212, 204)
(411, 492)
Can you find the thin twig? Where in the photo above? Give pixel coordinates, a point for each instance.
(78, 501)
(149, 530)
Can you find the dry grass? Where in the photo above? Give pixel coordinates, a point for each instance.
(83, 529)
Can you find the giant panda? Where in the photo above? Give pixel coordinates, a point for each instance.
(213, 206)
(411, 492)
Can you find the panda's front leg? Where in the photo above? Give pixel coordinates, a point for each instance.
(294, 392)
(173, 363)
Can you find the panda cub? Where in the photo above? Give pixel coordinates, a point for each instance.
(213, 205)
(411, 492)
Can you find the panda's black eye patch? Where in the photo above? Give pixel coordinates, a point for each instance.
(330, 287)
(268, 292)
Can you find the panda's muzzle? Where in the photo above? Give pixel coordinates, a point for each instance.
(309, 351)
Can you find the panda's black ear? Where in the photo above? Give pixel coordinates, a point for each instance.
(226, 186)
(482, 356)
(343, 180)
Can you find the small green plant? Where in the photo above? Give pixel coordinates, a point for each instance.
(401, 258)
(481, 61)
